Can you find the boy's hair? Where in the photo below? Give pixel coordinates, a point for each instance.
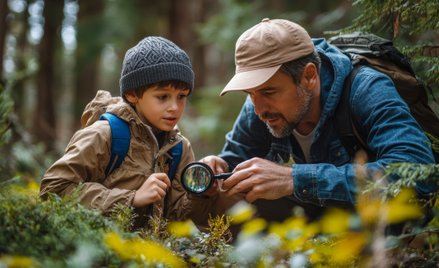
(173, 83)
(154, 60)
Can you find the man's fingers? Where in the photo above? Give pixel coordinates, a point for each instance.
(250, 197)
(241, 176)
(246, 164)
(239, 184)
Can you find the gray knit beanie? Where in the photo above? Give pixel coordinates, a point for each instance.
(152, 60)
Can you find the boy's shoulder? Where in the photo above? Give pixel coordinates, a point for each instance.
(95, 138)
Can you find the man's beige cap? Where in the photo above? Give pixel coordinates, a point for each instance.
(262, 49)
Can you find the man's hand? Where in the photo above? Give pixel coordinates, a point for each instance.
(260, 178)
(152, 190)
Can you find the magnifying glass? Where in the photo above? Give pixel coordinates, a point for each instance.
(198, 177)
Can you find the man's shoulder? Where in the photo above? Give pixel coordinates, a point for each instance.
(367, 80)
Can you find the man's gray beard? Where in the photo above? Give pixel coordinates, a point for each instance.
(304, 108)
(283, 132)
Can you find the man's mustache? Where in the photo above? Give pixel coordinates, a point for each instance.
(268, 116)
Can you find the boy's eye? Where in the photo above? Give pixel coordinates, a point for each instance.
(162, 97)
(182, 96)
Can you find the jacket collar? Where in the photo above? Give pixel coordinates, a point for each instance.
(336, 66)
(142, 130)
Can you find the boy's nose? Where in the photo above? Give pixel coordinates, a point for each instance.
(174, 105)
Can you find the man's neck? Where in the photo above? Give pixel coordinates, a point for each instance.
(312, 118)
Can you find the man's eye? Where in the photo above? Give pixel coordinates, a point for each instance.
(268, 93)
(162, 97)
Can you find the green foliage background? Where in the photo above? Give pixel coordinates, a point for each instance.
(61, 233)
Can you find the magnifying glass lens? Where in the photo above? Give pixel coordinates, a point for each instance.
(196, 178)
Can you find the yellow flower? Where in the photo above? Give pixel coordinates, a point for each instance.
(194, 260)
(16, 261)
(335, 221)
(295, 223)
(296, 244)
(348, 247)
(241, 212)
(295, 233)
(144, 251)
(182, 229)
(400, 208)
(290, 225)
(277, 229)
(369, 209)
(116, 243)
(253, 227)
(315, 257)
(33, 186)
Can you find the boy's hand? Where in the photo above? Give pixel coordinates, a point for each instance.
(218, 165)
(214, 189)
(152, 190)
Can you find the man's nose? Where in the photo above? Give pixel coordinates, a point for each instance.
(260, 104)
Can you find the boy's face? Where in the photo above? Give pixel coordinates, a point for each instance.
(160, 107)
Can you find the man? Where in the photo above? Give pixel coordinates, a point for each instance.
(284, 149)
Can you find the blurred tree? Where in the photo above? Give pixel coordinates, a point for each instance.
(183, 15)
(21, 60)
(44, 124)
(412, 25)
(88, 53)
(4, 10)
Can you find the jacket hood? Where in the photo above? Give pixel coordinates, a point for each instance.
(104, 102)
(95, 108)
(336, 66)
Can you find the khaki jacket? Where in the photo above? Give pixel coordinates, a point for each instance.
(88, 154)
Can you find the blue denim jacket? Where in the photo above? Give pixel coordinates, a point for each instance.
(329, 178)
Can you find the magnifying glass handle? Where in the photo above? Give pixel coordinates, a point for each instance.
(223, 176)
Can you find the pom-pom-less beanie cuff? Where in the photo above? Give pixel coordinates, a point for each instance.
(157, 73)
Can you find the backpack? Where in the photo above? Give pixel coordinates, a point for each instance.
(120, 143)
(367, 49)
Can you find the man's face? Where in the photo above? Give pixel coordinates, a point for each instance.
(280, 103)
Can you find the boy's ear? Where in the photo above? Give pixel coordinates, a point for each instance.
(131, 97)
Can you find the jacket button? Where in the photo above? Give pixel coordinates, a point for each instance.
(304, 191)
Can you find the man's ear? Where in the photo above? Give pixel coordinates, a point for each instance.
(131, 97)
(309, 76)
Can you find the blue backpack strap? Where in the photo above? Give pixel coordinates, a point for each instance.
(120, 140)
(175, 152)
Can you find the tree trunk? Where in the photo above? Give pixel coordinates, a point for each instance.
(88, 52)
(3, 29)
(184, 14)
(20, 99)
(44, 128)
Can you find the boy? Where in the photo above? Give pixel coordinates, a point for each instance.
(156, 79)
